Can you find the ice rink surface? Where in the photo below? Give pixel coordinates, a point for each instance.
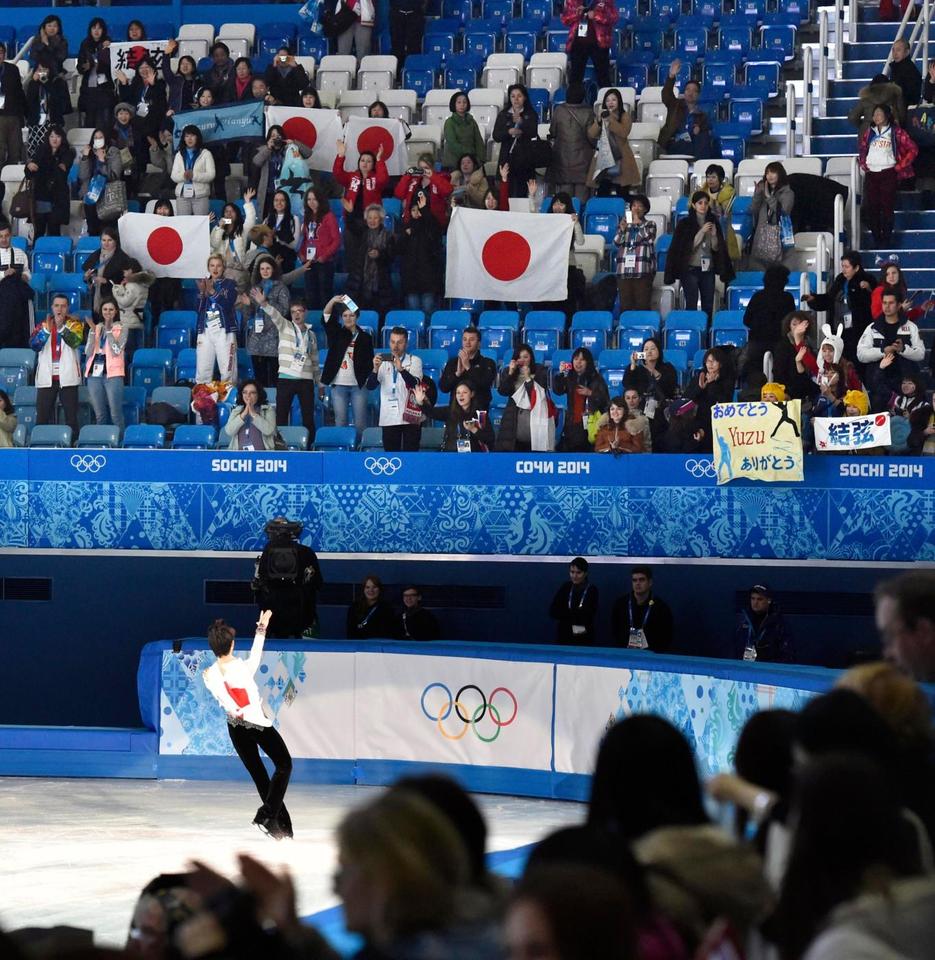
(77, 852)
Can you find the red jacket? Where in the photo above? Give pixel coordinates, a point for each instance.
(876, 306)
(904, 150)
(326, 239)
(605, 16)
(439, 190)
(373, 186)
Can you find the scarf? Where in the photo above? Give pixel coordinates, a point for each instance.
(531, 396)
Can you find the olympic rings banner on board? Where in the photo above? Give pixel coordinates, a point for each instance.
(454, 710)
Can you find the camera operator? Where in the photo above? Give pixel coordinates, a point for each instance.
(287, 580)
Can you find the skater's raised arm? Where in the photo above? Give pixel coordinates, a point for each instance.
(259, 638)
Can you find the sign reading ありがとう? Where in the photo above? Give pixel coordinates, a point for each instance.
(758, 441)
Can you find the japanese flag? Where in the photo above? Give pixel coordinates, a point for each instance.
(167, 246)
(365, 133)
(508, 256)
(319, 130)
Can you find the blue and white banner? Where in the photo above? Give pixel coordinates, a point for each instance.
(852, 433)
(239, 121)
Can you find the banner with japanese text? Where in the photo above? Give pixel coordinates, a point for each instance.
(758, 440)
(126, 55)
(852, 433)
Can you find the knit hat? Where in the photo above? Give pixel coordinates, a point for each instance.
(777, 389)
(857, 399)
(123, 105)
(834, 340)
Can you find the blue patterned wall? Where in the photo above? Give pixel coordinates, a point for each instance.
(665, 506)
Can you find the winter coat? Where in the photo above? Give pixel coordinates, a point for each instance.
(264, 421)
(799, 386)
(113, 168)
(506, 435)
(339, 338)
(266, 342)
(514, 150)
(55, 48)
(11, 86)
(327, 239)
(221, 243)
(15, 296)
(606, 16)
(572, 147)
(202, 173)
(92, 55)
(858, 301)
(261, 168)
(421, 256)
(286, 88)
(461, 135)
(57, 101)
(438, 190)
(156, 98)
(641, 380)
(905, 74)
(876, 95)
(770, 638)
(131, 297)
(683, 241)
(625, 438)
(575, 435)
(814, 201)
(112, 271)
(617, 131)
(51, 181)
(476, 188)
(676, 113)
(369, 279)
(904, 150)
(180, 91)
(870, 347)
(765, 312)
(479, 376)
(71, 334)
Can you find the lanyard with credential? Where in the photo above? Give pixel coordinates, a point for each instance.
(584, 593)
(363, 623)
(645, 620)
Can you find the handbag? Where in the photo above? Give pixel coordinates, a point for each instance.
(540, 153)
(21, 206)
(113, 201)
(604, 161)
(786, 233)
(334, 23)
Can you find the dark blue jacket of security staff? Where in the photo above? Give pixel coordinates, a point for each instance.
(224, 299)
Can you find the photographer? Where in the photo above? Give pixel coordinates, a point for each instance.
(423, 178)
(287, 579)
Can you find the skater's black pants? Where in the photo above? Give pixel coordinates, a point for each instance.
(248, 741)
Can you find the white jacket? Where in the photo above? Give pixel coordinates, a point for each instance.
(235, 687)
(131, 297)
(202, 173)
(69, 371)
(870, 346)
(391, 414)
(14, 255)
(222, 247)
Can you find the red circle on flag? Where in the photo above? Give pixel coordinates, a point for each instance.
(506, 255)
(371, 139)
(880, 420)
(164, 245)
(302, 130)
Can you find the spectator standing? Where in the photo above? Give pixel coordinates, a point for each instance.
(239, 85)
(407, 24)
(470, 367)
(50, 42)
(905, 74)
(229, 239)
(721, 194)
(590, 34)
(587, 397)
(222, 69)
(298, 360)
(529, 418)
(99, 165)
(636, 256)
(104, 365)
(761, 632)
(676, 133)
(57, 339)
(270, 162)
(572, 148)
(849, 298)
(885, 154)
(369, 279)
(48, 102)
(574, 607)
(614, 122)
(422, 263)
(461, 134)
(772, 198)
(287, 228)
(641, 619)
(362, 189)
(396, 375)
(183, 83)
(881, 91)
(285, 78)
(349, 362)
(653, 377)
(698, 255)
(15, 292)
(764, 314)
(148, 96)
(12, 111)
(890, 347)
(216, 327)
(358, 35)
(714, 384)
(49, 170)
(517, 125)
(370, 616)
(193, 174)
(96, 95)
(262, 335)
(106, 266)
(252, 423)
(794, 361)
(318, 245)
(415, 622)
(165, 291)
(435, 186)
(131, 294)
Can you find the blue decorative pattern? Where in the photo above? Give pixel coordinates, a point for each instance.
(655, 506)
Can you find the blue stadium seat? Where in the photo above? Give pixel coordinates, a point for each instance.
(602, 215)
(540, 10)
(98, 435)
(733, 140)
(296, 438)
(134, 403)
(501, 10)
(272, 36)
(752, 10)
(447, 339)
(245, 369)
(735, 39)
(539, 98)
(71, 285)
(634, 75)
(438, 42)
(648, 38)
(50, 435)
(763, 73)
(777, 40)
(13, 377)
(174, 339)
(664, 11)
(718, 75)
(729, 337)
(797, 10)
(709, 10)
(556, 36)
(178, 397)
(19, 357)
(508, 319)
(190, 436)
(186, 365)
(372, 439)
(462, 71)
(664, 63)
(739, 295)
(420, 70)
(522, 37)
(457, 10)
(335, 438)
(727, 319)
(413, 319)
(51, 254)
(313, 45)
(691, 41)
(497, 339)
(684, 329)
(181, 319)
(480, 37)
(747, 111)
(150, 369)
(662, 250)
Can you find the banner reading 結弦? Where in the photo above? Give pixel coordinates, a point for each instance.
(758, 440)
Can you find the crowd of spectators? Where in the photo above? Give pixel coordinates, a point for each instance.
(271, 242)
(817, 845)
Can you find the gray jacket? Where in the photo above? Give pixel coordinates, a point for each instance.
(264, 421)
(266, 343)
(572, 148)
(113, 168)
(261, 163)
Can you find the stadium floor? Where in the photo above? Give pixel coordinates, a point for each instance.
(77, 852)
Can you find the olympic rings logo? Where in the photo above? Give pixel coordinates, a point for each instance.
(383, 466)
(88, 464)
(700, 468)
(469, 716)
